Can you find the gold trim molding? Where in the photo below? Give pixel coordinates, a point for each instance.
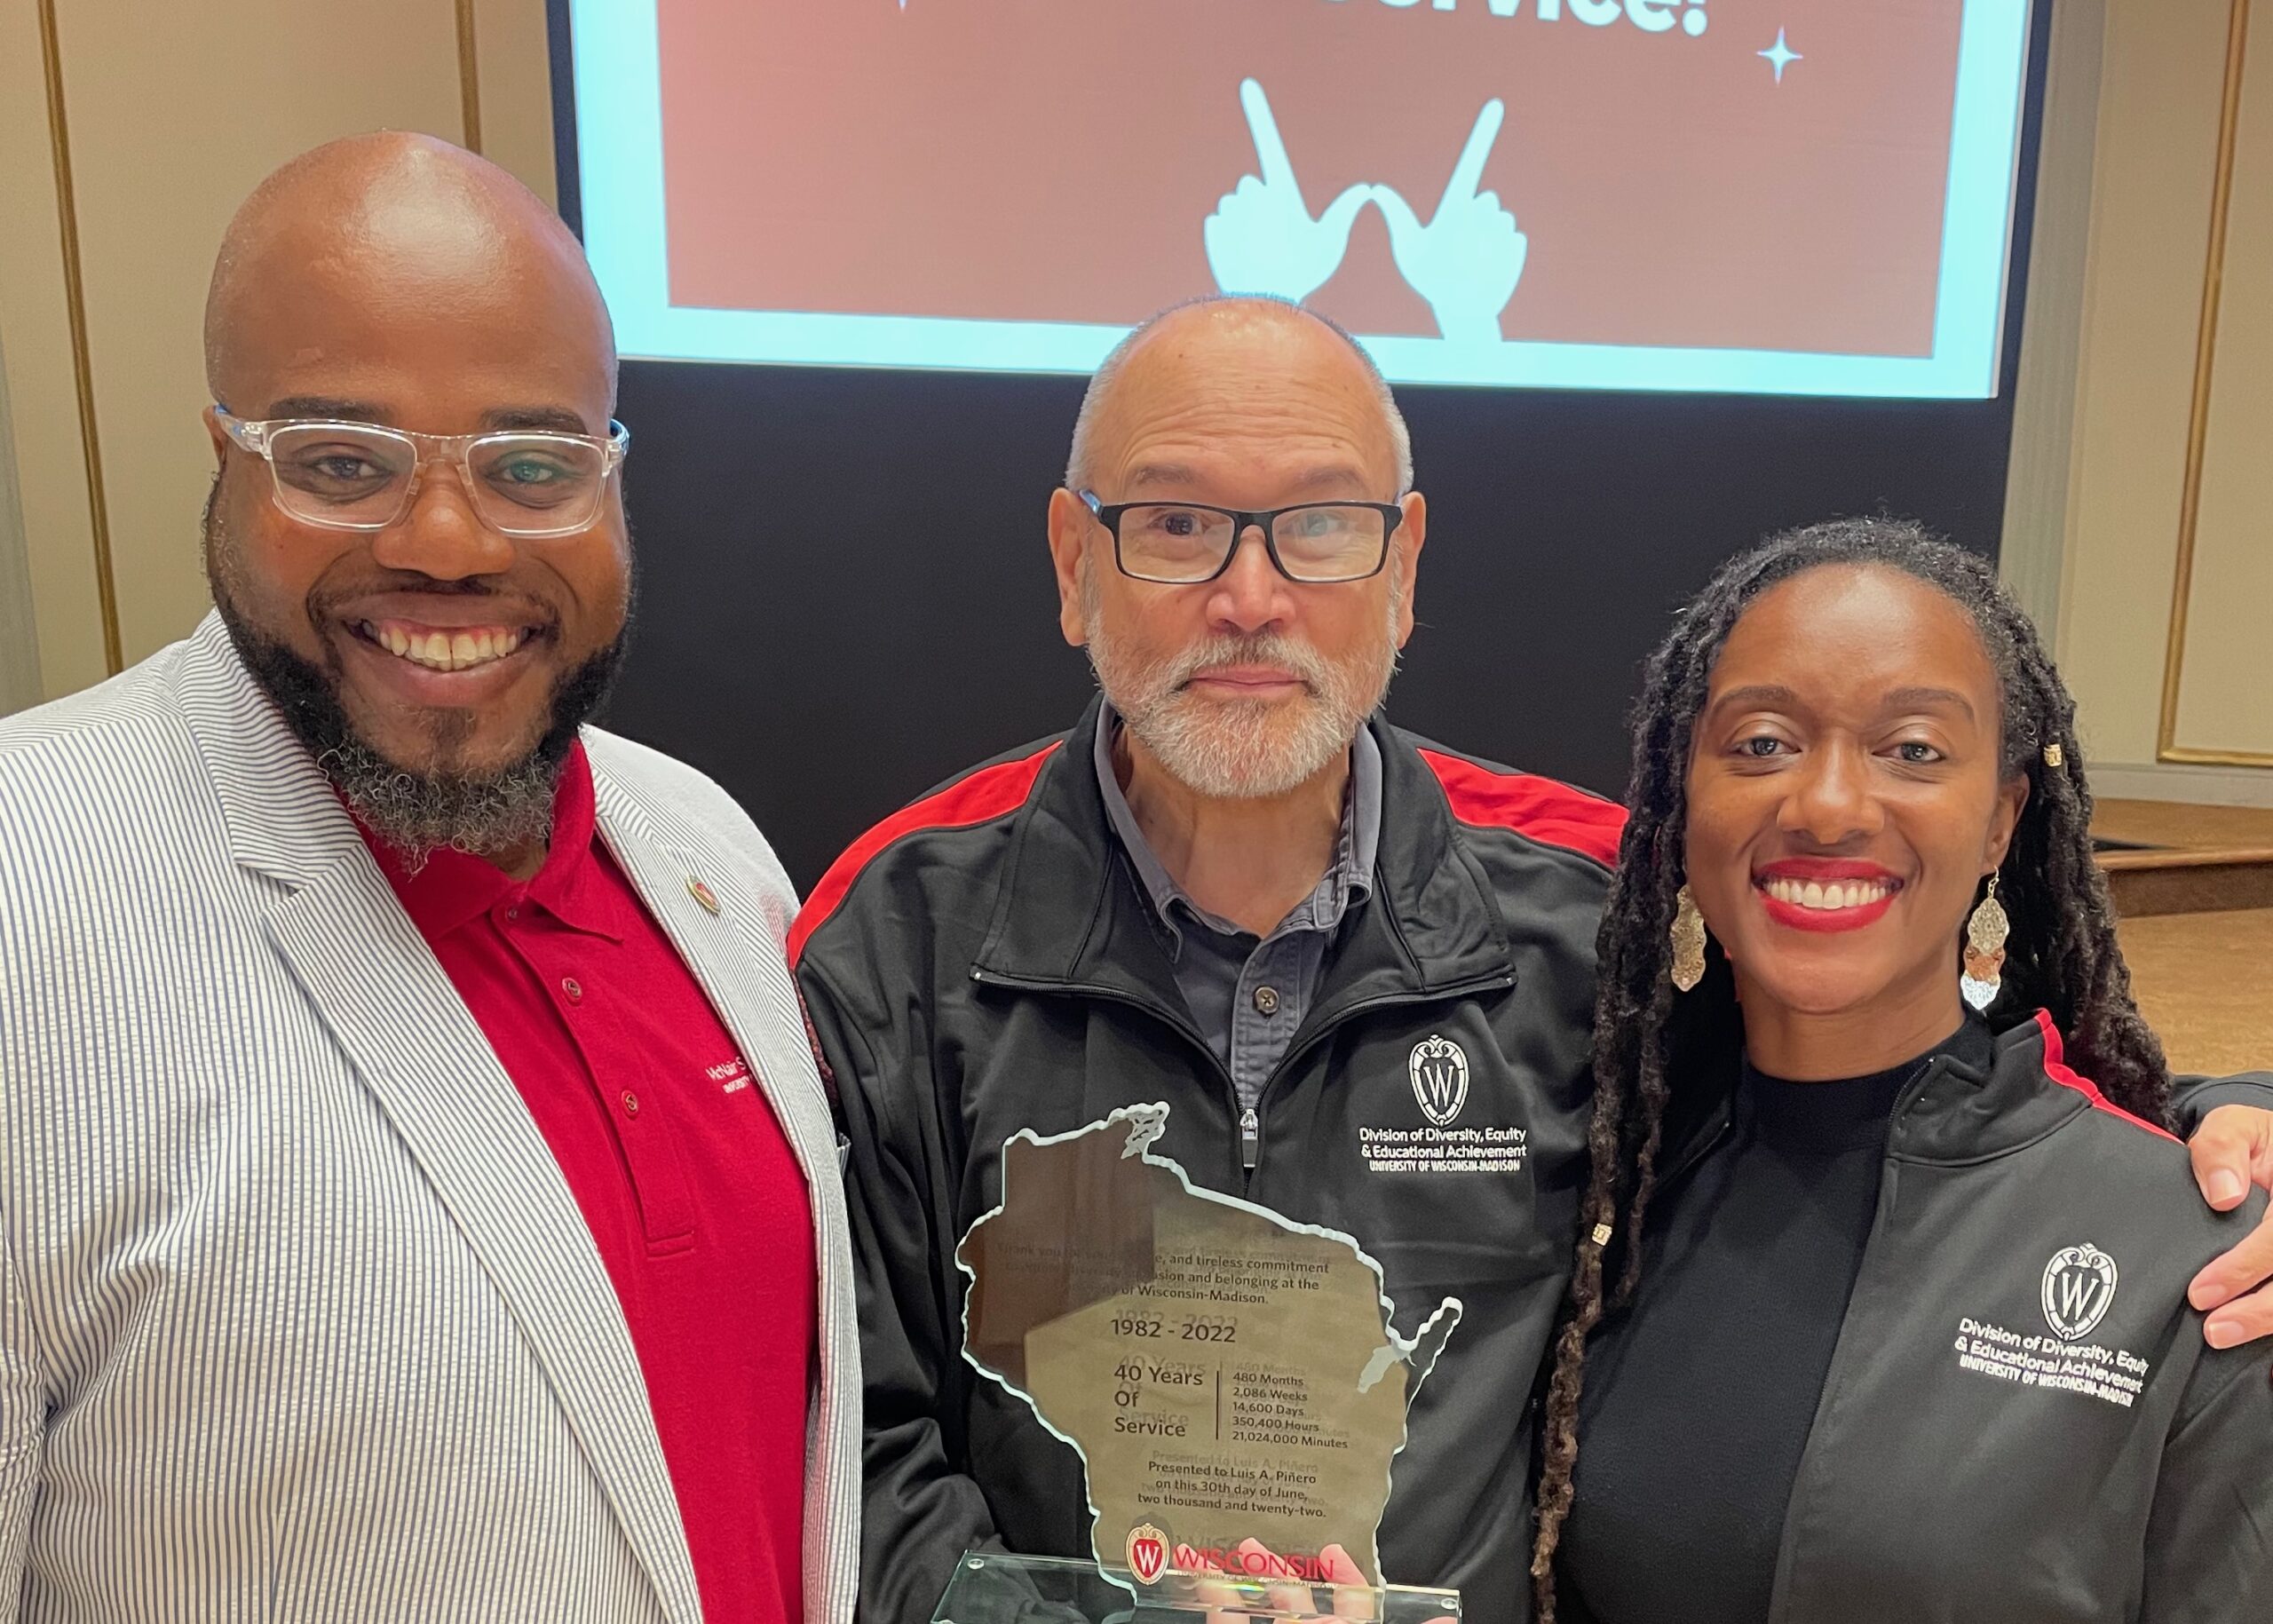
(470, 78)
(82, 370)
(2198, 429)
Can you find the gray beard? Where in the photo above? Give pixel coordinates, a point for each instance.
(416, 813)
(1239, 751)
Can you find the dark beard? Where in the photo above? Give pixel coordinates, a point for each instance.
(417, 814)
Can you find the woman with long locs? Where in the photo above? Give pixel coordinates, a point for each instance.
(1880, 1306)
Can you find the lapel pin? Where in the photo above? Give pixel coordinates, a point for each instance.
(703, 894)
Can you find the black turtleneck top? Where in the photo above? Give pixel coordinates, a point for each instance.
(1699, 1397)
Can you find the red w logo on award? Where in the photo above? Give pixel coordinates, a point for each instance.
(1148, 1553)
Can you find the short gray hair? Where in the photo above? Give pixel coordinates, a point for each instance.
(1080, 473)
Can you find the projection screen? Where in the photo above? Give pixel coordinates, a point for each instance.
(1763, 197)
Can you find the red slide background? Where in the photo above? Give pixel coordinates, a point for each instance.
(1054, 160)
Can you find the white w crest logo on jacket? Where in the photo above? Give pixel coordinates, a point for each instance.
(2078, 1288)
(1439, 1071)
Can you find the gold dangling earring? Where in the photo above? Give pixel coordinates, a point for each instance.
(1688, 942)
(1984, 949)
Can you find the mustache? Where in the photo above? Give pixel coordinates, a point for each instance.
(327, 599)
(1297, 659)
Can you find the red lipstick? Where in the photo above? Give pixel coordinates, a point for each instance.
(1802, 871)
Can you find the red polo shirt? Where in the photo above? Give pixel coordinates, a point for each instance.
(682, 1172)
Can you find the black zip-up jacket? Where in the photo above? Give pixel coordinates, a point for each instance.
(986, 961)
(2022, 1421)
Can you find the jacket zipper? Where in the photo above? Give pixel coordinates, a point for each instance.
(1697, 1153)
(1251, 1142)
(1249, 1117)
(1843, 1350)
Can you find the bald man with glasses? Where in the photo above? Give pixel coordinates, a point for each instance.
(1233, 886)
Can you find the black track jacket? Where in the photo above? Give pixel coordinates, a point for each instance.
(986, 961)
(2022, 1421)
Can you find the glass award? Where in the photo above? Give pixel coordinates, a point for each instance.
(1232, 1381)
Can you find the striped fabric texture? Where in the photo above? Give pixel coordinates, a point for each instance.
(298, 1319)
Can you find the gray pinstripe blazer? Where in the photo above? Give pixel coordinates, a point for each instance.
(298, 1316)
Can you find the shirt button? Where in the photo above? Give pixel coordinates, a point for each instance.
(574, 988)
(1266, 1001)
(631, 1103)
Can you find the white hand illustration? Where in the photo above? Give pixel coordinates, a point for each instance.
(1467, 260)
(1262, 239)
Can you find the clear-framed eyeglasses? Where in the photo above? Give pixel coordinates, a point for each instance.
(360, 476)
(1181, 543)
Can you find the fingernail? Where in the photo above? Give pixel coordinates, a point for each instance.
(2227, 1186)
(2223, 1334)
(2201, 1294)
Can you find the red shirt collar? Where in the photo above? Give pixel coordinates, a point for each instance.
(453, 888)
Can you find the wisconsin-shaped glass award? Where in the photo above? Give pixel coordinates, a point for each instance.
(1232, 1381)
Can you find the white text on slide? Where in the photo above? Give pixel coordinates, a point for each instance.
(1650, 16)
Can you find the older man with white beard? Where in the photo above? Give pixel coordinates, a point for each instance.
(1232, 887)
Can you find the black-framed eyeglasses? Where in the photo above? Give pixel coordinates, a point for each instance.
(1180, 543)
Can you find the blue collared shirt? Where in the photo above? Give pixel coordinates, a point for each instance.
(1246, 994)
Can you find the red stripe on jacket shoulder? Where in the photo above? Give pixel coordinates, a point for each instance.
(1539, 808)
(2055, 1066)
(984, 796)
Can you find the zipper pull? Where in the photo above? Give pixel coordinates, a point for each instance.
(1250, 1138)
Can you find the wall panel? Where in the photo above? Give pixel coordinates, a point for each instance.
(2224, 693)
(2183, 718)
(36, 350)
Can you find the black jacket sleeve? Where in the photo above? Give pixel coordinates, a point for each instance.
(2210, 1537)
(2193, 1099)
(920, 1510)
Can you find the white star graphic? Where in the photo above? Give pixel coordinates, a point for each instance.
(1781, 54)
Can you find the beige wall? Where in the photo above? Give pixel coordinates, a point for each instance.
(2163, 72)
(172, 114)
(2225, 693)
(19, 682)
